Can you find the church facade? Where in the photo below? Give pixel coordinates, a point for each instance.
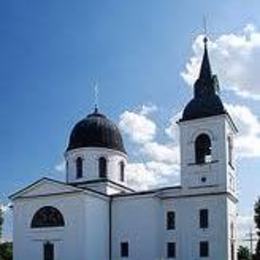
(95, 215)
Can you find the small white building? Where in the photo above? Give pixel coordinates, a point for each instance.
(94, 215)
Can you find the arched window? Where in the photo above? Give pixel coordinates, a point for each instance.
(102, 167)
(122, 171)
(47, 217)
(203, 149)
(79, 168)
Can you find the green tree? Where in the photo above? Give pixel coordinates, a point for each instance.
(6, 251)
(243, 253)
(257, 222)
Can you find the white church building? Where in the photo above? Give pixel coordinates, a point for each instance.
(95, 215)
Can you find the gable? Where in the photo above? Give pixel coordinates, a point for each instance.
(44, 187)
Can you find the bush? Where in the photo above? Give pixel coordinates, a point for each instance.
(6, 251)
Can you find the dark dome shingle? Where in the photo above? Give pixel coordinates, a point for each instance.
(96, 130)
(201, 107)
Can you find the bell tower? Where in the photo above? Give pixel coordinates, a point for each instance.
(206, 136)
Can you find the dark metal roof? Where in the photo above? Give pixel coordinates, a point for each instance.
(206, 101)
(96, 130)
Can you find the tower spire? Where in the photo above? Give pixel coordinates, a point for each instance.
(205, 70)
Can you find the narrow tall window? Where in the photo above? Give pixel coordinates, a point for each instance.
(124, 249)
(170, 220)
(48, 251)
(102, 167)
(204, 218)
(79, 168)
(203, 149)
(122, 171)
(230, 150)
(232, 230)
(171, 250)
(204, 249)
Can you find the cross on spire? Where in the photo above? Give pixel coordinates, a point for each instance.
(96, 93)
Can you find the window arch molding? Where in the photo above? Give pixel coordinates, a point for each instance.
(46, 217)
(203, 131)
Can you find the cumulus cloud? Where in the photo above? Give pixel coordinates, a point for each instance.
(235, 58)
(151, 174)
(247, 142)
(161, 160)
(140, 128)
(167, 153)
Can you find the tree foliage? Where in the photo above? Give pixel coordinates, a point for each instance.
(243, 253)
(6, 251)
(257, 222)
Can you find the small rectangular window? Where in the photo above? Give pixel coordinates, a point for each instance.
(204, 223)
(124, 249)
(170, 220)
(48, 251)
(204, 249)
(171, 250)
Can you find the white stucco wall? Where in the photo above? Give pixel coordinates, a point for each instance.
(86, 222)
(90, 158)
(141, 221)
(96, 245)
(218, 128)
(137, 220)
(28, 242)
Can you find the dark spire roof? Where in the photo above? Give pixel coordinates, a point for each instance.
(96, 130)
(205, 70)
(206, 101)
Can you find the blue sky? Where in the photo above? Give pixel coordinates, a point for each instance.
(51, 51)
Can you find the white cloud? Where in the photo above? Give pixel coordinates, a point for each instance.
(139, 176)
(151, 174)
(148, 109)
(5, 207)
(60, 167)
(161, 152)
(137, 126)
(245, 224)
(172, 130)
(235, 59)
(247, 142)
(161, 160)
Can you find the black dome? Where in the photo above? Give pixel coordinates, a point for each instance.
(96, 130)
(201, 107)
